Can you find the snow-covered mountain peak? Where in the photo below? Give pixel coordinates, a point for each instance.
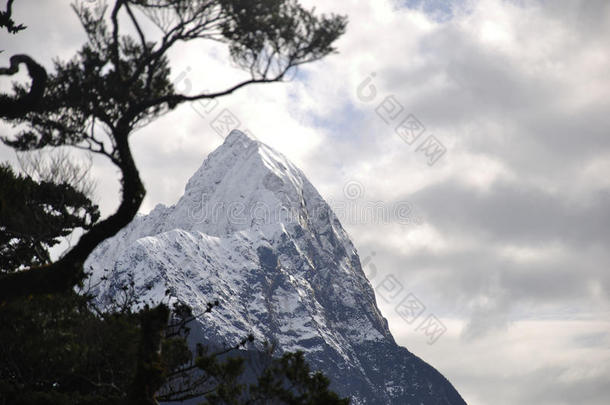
(238, 136)
(253, 233)
(243, 185)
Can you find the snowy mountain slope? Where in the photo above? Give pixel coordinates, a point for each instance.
(252, 232)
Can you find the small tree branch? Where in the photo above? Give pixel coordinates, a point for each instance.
(7, 21)
(114, 46)
(11, 107)
(137, 26)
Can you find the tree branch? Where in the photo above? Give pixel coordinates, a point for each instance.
(174, 99)
(114, 46)
(137, 26)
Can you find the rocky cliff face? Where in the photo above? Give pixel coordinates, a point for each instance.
(252, 232)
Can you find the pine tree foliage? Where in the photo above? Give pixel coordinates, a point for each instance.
(34, 216)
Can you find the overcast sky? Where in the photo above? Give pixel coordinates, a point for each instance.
(480, 129)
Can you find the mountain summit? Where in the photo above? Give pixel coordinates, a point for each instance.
(253, 233)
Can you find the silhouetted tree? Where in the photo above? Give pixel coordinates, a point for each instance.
(233, 376)
(34, 216)
(61, 349)
(284, 380)
(115, 84)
